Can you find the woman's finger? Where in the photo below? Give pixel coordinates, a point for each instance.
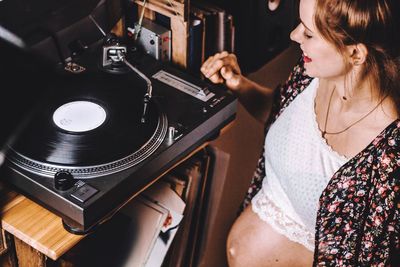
(231, 77)
(206, 64)
(216, 78)
(211, 60)
(214, 68)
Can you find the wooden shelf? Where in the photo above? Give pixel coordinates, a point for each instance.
(178, 12)
(169, 8)
(34, 225)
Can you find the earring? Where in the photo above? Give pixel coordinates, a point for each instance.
(273, 4)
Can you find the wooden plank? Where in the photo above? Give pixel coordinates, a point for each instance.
(8, 199)
(3, 243)
(11, 254)
(39, 228)
(169, 8)
(118, 28)
(149, 14)
(27, 256)
(179, 42)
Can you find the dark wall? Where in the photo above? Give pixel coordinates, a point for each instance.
(50, 26)
(28, 55)
(24, 78)
(260, 34)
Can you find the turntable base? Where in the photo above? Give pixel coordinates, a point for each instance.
(44, 235)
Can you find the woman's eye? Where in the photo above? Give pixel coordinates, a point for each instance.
(307, 35)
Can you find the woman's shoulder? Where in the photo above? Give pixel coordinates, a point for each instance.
(389, 139)
(382, 155)
(386, 149)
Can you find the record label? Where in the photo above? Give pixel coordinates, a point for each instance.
(79, 116)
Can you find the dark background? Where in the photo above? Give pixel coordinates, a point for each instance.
(260, 34)
(47, 29)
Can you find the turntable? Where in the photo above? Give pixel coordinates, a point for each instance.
(113, 124)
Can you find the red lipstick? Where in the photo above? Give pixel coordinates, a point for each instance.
(307, 59)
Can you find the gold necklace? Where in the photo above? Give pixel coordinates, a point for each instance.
(324, 132)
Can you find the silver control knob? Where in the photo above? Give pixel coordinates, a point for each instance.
(171, 134)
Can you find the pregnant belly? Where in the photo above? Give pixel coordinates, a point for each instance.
(253, 242)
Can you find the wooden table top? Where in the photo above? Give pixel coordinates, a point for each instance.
(35, 225)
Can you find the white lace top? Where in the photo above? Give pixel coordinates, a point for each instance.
(298, 164)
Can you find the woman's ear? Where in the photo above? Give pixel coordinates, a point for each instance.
(358, 54)
(273, 4)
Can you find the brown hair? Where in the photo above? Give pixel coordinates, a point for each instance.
(374, 23)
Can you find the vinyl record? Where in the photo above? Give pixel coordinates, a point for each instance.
(91, 126)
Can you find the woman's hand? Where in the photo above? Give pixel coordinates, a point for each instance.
(223, 68)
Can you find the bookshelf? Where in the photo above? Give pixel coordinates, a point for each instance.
(178, 12)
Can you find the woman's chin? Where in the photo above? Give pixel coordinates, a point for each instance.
(309, 73)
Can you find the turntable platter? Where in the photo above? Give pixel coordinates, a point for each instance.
(91, 131)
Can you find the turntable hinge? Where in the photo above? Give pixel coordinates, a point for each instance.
(73, 67)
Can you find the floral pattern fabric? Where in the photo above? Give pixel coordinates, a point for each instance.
(358, 221)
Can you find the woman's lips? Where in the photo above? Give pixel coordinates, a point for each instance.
(307, 59)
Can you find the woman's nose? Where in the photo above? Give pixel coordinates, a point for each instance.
(295, 35)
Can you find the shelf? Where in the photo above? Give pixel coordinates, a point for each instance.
(178, 12)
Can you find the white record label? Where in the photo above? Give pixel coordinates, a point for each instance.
(79, 116)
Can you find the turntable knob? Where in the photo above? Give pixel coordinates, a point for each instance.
(171, 133)
(63, 180)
